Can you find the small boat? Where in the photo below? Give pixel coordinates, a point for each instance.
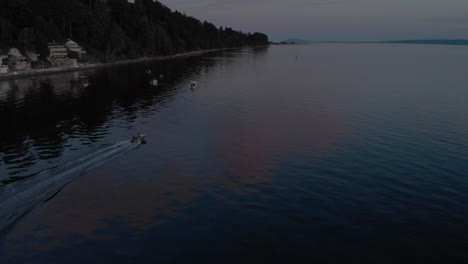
(161, 76)
(139, 139)
(148, 71)
(193, 84)
(154, 82)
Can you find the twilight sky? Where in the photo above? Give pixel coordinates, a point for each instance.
(325, 20)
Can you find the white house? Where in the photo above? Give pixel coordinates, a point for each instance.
(16, 60)
(58, 55)
(73, 46)
(57, 50)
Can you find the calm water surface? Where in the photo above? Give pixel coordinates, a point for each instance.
(333, 153)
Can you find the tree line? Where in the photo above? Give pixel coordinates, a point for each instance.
(112, 29)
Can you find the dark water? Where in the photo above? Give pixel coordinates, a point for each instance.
(330, 153)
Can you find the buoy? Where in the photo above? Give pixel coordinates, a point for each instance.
(193, 84)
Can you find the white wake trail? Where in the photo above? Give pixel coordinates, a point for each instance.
(16, 199)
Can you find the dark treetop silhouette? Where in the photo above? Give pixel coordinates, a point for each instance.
(112, 29)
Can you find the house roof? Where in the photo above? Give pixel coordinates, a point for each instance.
(71, 43)
(15, 52)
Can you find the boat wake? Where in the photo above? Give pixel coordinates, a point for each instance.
(16, 199)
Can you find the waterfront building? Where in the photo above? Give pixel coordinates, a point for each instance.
(73, 46)
(58, 55)
(57, 50)
(17, 61)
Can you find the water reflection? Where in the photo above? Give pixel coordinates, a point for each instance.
(252, 149)
(135, 202)
(139, 201)
(328, 154)
(45, 116)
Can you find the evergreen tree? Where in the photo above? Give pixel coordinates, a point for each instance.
(112, 29)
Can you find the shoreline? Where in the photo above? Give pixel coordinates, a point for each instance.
(53, 70)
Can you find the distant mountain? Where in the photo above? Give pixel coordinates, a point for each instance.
(431, 41)
(415, 41)
(297, 41)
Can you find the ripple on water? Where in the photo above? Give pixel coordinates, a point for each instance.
(329, 154)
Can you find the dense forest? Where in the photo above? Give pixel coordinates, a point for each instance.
(112, 29)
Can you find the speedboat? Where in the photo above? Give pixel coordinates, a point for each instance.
(139, 139)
